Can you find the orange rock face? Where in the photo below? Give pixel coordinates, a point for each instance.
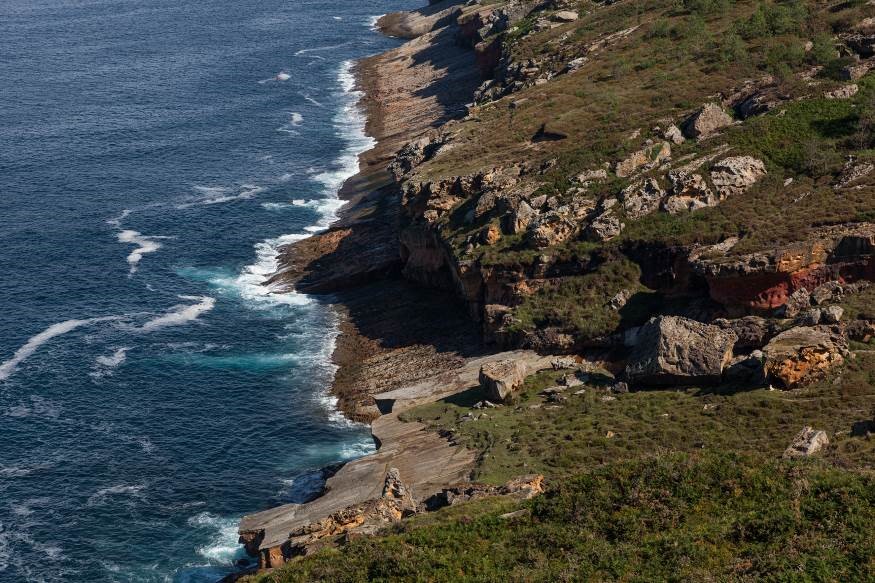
(809, 364)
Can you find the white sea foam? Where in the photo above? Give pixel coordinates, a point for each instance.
(320, 49)
(33, 344)
(104, 494)
(223, 545)
(277, 206)
(296, 118)
(283, 76)
(181, 314)
(117, 221)
(310, 99)
(145, 244)
(373, 20)
(113, 360)
(211, 195)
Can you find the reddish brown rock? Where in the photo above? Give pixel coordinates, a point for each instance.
(803, 355)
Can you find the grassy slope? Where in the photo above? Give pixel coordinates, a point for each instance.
(689, 486)
(683, 53)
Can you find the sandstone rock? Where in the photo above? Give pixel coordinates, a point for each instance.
(523, 487)
(604, 227)
(563, 362)
(551, 228)
(857, 70)
(802, 355)
(499, 379)
(620, 299)
(689, 192)
(799, 301)
(644, 159)
(734, 175)
(747, 370)
(674, 350)
(751, 331)
(809, 317)
(853, 171)
(860, 330)
(520, 219)
(641, 198)
(706, 121)
(590, 176)
(806, 443)
(830, 291)
(843, 92)
(564, 16)
(674, 134)
(832, 314)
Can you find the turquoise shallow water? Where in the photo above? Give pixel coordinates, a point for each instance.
(153, 156)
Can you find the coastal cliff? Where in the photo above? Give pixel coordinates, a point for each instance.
(640, 207)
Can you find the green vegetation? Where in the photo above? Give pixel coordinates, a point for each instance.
(701, 517)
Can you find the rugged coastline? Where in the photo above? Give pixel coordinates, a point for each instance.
(617, 226)
(393, 334)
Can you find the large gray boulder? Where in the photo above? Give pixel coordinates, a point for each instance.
(501, 378)
(706, 121)
(678, 351)
(807, 442)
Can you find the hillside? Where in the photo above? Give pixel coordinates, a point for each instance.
(675, 200)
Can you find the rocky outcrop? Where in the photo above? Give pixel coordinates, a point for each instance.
(803, 355)
(500, 379)
(766, 280)
(689, 192)
(677, 351)
(806, 443)
(734, 175)
(706, 122)
(644, 159)
(641, 198)
(523, 487)
(751, 332)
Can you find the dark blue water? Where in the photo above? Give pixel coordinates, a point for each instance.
(153, 155)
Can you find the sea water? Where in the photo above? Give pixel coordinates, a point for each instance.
(154, 156)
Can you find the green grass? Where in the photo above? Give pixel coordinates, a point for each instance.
(673, 517)
(531, 435)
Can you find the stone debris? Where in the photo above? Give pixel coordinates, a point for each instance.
(644, 159)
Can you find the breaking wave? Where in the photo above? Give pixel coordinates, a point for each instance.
(181, 313)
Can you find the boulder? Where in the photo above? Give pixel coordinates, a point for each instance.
(843, 92)
(499, 379)
(564, 16)
(860, 330)
(641, 198)
(706, 121)
(689, 192)
(520, 219)
(734, 175)
(832, 314)
(644, 159)
(752, 331)
(747, 370)
(551, 228)
(672, 351)
(799, 301)
(674, 134)
(806, 443)
(803, 354)
(604, 227)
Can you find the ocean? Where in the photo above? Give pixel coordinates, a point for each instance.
(154, 154)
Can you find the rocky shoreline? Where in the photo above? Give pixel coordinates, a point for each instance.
(394, 335)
